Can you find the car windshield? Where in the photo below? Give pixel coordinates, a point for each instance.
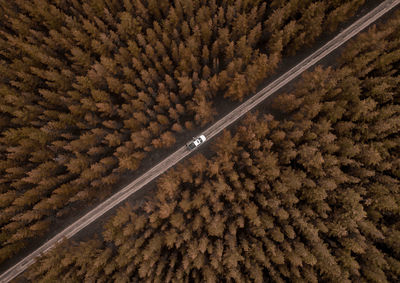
(191, 145)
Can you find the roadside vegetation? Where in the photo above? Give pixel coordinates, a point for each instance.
(88, 89)
(314, 197)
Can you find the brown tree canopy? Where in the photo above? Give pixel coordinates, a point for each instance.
(84, 81)
(312, 197)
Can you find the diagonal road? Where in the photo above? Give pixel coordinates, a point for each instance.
(213, 130)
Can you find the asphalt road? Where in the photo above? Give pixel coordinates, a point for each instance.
(213, 130)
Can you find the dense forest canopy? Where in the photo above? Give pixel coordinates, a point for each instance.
(314, 197)
(89, 88)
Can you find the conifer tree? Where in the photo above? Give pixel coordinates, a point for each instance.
(89, 89)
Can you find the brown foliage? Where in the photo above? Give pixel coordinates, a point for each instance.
(85, 85)
(310, 198)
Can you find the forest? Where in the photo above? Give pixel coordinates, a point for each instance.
(88, 89)
(311, 197)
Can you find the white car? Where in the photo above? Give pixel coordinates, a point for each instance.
(196, 142)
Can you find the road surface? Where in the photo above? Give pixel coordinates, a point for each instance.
(213, 130)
